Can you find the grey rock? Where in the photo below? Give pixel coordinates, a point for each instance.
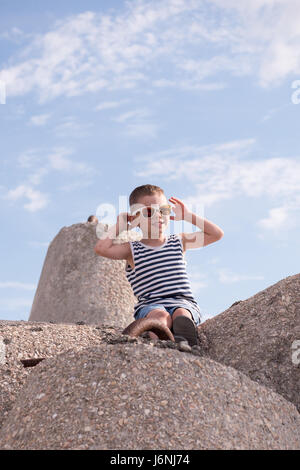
(22, 341)
(137, 396)
(78, 285)
(257, 335)
(184, 346)
(241, 397)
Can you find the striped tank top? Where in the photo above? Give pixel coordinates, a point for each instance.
(159, 275)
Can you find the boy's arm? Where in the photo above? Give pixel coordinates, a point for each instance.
(209, 233)
(105, 247)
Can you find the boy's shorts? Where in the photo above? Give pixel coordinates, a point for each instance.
(143, 312)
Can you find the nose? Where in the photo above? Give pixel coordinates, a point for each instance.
(157, 218)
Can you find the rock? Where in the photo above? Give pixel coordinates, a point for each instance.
(184, 346)
(78, 285)
(257, 337)
(105, 390)
(33, 340)
(136, 396)
(31, 362)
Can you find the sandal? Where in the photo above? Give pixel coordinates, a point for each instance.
(184, 329)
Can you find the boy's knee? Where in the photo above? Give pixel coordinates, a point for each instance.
(161, 315)
(158, 314)
(181, 312)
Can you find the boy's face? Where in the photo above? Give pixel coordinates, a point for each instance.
(152, 227)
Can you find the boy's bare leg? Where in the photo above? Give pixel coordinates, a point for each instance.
(181, 312)
(183, 329)
(163, 316)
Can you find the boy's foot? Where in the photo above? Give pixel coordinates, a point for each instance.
(184, 329)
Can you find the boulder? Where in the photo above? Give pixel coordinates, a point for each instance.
(136, 396)
(78, 285)
(258, 337)
(23, 340)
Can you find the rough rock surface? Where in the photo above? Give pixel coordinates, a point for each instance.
(25, 340)
(227, 408)
(136, 396)
(30, 340)
(256, 336)
(77, 284)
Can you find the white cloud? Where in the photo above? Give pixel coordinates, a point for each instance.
(12, 304)
(271, 33)
(147, 42)
(225, 172)
(191, 83)
(201, 69)
(134, 114)
(76, 185)
(163, 82)
(137, 123)
(198, 280)
(58, 161)
(37, 176)
(14, 35)
(143, 129)
(226, 276)
(269, 114)
(279, 218)
(39, 119)
(69, 126)
(17, 285)
(37, 200)
(110, 105)
(206, 164)
(41, 164)
(29, 158)
(214, 260)
(32, 159)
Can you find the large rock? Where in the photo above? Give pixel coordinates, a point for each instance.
(258, 336)
(136, 396)
(78, 285)
(23, 340)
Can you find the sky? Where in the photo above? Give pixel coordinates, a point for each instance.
(201, 98)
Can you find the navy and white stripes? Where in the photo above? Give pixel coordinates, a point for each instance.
(159, 275)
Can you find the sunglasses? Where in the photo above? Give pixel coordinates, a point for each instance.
(148, 212)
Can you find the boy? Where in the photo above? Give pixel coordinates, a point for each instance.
(155, 265)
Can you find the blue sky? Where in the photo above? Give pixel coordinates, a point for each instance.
(198, 97)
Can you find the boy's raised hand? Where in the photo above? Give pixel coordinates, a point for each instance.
(123, 219)
(180, 209)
